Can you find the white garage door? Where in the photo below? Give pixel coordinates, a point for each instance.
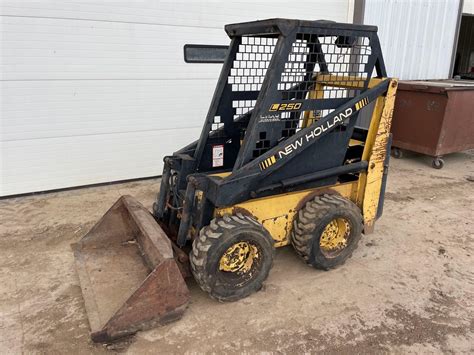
(96, 92)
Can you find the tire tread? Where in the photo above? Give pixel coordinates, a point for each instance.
(207, 237)
(306, 222)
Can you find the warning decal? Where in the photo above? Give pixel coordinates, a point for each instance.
(217, 155)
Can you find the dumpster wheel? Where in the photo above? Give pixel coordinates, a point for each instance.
(397, 153)
(232, 257)
(437, 163)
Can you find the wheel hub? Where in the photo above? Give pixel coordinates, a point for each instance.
(239, 257)
(335, 235)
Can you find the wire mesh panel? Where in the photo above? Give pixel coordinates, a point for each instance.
(247, 73)
(251, 63)
(318, 67)
(321, 67)
(217, 127)
(317, 70)
(262, 145)
(241, 107)
(338, 59)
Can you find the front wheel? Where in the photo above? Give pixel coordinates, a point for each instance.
(232, 257)
(326, 231)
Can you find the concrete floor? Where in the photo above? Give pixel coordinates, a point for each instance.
(409, 287)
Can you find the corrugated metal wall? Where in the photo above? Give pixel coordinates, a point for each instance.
(417, 36)
(98, 91)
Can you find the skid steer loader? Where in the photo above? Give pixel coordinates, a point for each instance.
(280, 160)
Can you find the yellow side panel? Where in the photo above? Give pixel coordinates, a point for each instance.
(277, 212)
(375, 151)
(371, 135)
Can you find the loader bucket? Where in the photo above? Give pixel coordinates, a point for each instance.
(129, 278)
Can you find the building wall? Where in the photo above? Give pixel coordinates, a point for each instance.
(94, 92)
(468, 7)
(417, 36)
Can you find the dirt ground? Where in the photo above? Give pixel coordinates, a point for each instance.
(409, 287)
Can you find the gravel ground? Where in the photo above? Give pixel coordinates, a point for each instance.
(409, 287)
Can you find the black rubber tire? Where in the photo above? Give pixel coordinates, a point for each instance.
(437, 163)
(309, 225)
(397, 153)
(212, 243)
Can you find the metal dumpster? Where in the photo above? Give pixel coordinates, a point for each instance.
(434, 117)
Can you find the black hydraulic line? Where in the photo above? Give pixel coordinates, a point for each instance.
(165, 182)
(186, 213)
(340, 170)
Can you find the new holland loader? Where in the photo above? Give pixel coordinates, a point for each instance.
(281, 160)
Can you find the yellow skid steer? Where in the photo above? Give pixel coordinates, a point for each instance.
(293, 151)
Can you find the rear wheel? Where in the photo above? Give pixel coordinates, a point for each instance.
(326, 231)
(232, 257)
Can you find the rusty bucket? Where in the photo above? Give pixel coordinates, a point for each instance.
(129, 278)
